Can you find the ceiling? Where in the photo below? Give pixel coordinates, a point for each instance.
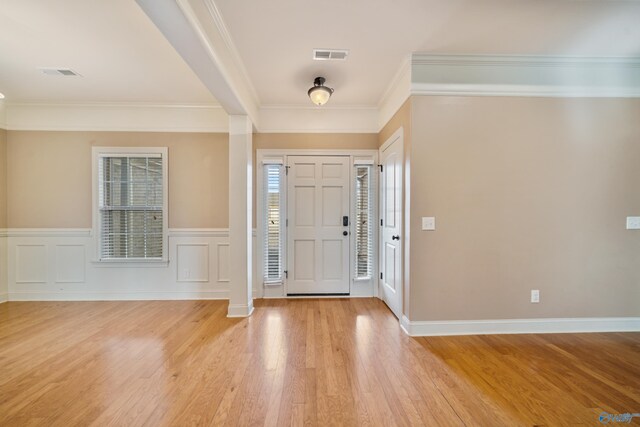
(275, 38)
(120, 54)
(123, 57)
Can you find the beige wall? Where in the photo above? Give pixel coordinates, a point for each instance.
(49, 176)
(3, 178)
(402, 118)
(528, 193)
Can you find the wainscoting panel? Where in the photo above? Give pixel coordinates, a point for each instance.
(193, 262)
(60, 264)
(70, 264)
(31, 263)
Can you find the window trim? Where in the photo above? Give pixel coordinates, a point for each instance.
(371, 227)
(261, 212)
(97, 153)
(262, 218)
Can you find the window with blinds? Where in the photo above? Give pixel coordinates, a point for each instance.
(131, 206)
(273, 223)
(363, 225)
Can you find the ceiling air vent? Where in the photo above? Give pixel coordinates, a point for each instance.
(59, 72)
(330, 54)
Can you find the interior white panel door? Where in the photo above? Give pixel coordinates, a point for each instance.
(391, 215)
(317, 240)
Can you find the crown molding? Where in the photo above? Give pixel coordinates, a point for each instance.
(309, 119)
(523, 60)
(525, 75)
(136, 117)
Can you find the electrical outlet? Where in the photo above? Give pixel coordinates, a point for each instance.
(187, 273)
(535, 296)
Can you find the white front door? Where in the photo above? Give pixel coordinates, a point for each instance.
(318, 230)
(391, 216)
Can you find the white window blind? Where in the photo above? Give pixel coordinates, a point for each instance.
(272, 223)
(363, 226)
(130, 203)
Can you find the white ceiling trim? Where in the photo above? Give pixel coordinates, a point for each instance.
(116, 117)
(523, 90)
(396, 94)
(509, 75)
(193, 32)
(220, 55)
(296, 119)
(233, 51)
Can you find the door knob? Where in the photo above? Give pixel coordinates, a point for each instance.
(345, 233)
(395, 237)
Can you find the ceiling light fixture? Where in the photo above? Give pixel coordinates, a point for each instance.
(1, 95)
(319, 93)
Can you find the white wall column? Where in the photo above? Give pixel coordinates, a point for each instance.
(240, 216)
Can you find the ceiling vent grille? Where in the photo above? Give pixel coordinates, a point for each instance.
(330, 54)
(59, 72)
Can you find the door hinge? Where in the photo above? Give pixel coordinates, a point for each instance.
(381, 222)
(286, 222)
(286, 170)
(381, 168)
(286, 274)
(380, 276)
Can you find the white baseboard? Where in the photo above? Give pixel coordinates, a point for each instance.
(240, 310)
(4, 298)
(519, 326)
(118, 296)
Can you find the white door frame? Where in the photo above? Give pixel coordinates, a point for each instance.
(358, 288)
(397, 136)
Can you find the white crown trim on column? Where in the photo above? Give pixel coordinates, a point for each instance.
(520, 75)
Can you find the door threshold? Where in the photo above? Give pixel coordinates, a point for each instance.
(319, 295)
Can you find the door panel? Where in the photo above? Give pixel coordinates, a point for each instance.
(318, 252)
(391, 201)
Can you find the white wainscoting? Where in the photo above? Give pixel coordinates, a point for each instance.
(59, 264)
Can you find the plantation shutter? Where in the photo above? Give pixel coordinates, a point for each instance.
(273, 223)
(363, 226)
(131, 206)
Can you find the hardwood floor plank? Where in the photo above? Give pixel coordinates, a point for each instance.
(311, 362)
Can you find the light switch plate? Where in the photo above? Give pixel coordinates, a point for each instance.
(428, 223)
(633, 223)
(535, 296)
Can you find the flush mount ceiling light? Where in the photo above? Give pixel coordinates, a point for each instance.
(1, 95)
(319, 93)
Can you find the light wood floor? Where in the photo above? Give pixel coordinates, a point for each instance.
(314, 362)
